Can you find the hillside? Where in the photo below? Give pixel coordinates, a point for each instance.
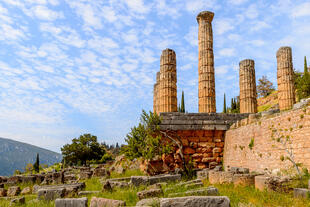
(15, 155)
(268, 102)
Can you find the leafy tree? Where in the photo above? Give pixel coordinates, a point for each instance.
(224, 105)
(36, 165)
(264, 87)
(144, 140)
(83, 149)
(302, 82)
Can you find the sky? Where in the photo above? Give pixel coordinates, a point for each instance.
(69, 67)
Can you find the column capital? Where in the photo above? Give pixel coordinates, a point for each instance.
(205, 15)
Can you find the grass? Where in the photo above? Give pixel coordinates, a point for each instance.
(237, 194)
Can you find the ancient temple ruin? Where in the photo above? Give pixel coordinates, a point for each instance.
(285, 76)
(202, 134)
(247, 85)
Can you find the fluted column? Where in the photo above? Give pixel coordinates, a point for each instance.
(285, 76)
(168, 82)
(156, 94)
(247, 85)
(206, 86)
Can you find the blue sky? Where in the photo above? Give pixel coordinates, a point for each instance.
(69, 67)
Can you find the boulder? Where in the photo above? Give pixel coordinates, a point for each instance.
(100, 172)
(3, 192)
(85, 175)
(149, 193)
(302, 103)
(51, 194)
(13, 191)
(196, 201)
(301, 193)
(26, 191)
(71, 202)
(148, 202)
(104, 202)
(18, 201)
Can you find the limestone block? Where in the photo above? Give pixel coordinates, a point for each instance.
(3, 192)
(239, 170)
(85, 193)
(139, 180)
(148, 202)
(164, 178)
(301, 193)
(18, 201)
(220, 177)
(149, 193)
(203, 174)
(261, 182)
(71, 202)
(103, 202)
(195, 201)
(244, 179)
(26, 190)
(51, 194)
(13, 191)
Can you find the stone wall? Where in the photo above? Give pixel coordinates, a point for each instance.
(202, 137)
(263, 133)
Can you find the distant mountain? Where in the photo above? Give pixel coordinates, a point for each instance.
(15, 155)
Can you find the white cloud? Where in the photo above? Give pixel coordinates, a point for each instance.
(42, 12)
(137, 6)
(301, 10)
(259, 25)
(222, 26)
(252, 12)
(195, 6)
(192, 36)
(221, 70)
(227, 52)
(237, 2)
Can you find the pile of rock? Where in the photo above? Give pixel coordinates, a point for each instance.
(272, 183)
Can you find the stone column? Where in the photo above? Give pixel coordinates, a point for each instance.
(206, 86)
(247, 85)
(156, 94)
(168, 82)
(285, 76)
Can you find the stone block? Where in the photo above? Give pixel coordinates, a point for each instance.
(51, 194)
(239, 170)
(71, 202)
(203, 174)
(85, 175)
(188, 150)
(26, 190)
(3, 192)
(220, 177)
(13, 191)
(261, 182)
(209, 191)
(18, 201)
(149, 193)
(85, 193)
(244, 179)
(148, 202)
(104, 202)
(139, 180)
(196, 201)
(301, 193)
(164, 178)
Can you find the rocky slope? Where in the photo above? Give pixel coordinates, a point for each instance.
(15, 155)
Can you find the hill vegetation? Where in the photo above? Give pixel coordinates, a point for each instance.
(15, 156)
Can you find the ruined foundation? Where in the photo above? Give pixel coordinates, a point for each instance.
(247, 85)
(168, 82)
(206, 87)
(285, 75)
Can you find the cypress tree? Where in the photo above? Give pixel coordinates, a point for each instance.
(36, 165)
(182, 103)
(224, 106)
(305, 66)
